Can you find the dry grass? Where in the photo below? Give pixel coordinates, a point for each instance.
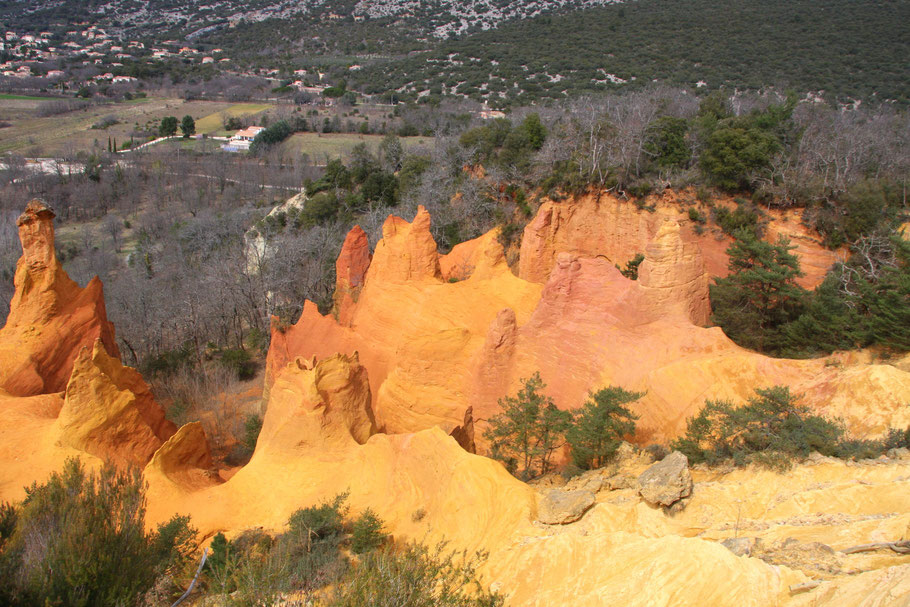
(213, 123)
(213, 396)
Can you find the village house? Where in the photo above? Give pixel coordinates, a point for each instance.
(241, 140)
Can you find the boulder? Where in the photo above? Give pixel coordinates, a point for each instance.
(563, 507)
(667, 481)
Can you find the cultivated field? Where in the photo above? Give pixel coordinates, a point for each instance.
(213, 124)
(32, 133)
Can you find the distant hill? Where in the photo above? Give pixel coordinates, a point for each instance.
(435, 18)
(507, 52)
(848, 49)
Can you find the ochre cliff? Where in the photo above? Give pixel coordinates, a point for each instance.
(603, 225)
(63, 390)
(439, 334)
(423, 357)
(51, 318)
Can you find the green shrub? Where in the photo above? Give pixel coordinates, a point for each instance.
(240, 361)
(631, 269)
(367, 532)
(414, 576)
(251, 429)
(772, 429)
(94, 549)
(696, 215)
(745, 217)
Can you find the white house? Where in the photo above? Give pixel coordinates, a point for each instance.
(242, 139)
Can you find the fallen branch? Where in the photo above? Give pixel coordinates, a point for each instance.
(901, 547)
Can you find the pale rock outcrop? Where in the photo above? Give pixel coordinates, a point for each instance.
(563, 507)
(110, 412)
(740, 546)
(667, 481)
(51, 318)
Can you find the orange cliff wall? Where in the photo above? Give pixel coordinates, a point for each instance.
(434, 348)
(605, 226)
(51, 318)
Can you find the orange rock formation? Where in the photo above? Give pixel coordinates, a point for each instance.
(435, 348)
(57, 338)
(51, 318)
(109, 411)
(602, 225)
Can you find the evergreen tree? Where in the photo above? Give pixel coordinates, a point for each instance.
(529, 429)
(889, 300)
(188, 126)
(760, 295)
(168, 127)
(600, 426)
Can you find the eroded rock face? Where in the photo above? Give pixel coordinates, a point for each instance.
(433, 348)
(672, 277)
(563, 507)
(407, 251)
(51, 318)
(350, 272)
(110, 412)
(603, 225)
(464, 434)
(667, 481)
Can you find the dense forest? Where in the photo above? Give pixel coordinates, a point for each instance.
(849, 50)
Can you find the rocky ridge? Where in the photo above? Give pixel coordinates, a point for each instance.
(440, 333)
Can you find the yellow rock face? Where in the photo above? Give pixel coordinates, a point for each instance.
(316, 406)
(315, 443)
(109, 411)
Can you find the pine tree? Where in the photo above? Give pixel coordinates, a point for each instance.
(760, 295)
(601, 425)
(188, 126)
(529, 429)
